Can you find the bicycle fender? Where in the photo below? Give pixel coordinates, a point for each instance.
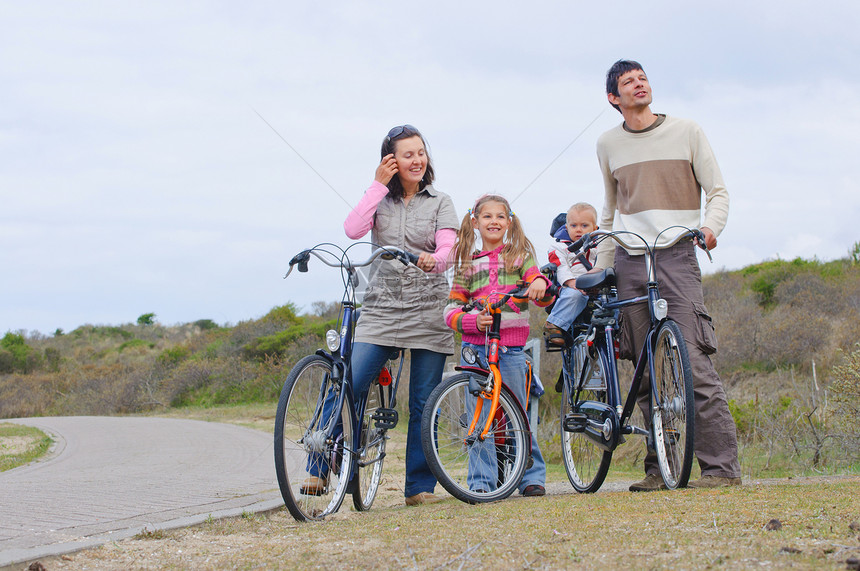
(336, 362)
(476, 370)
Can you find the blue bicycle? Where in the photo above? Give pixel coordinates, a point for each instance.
(329, 442)
(594, 418)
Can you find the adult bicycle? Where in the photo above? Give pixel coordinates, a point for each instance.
(328, 440)
(594, 419)
(474, 431)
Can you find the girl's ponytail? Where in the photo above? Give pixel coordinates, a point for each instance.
(465, 245)
(519, 247)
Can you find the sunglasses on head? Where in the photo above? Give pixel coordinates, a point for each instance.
(397, 131)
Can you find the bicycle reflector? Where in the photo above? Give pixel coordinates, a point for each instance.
(470, 355)
(384, 377)
(332, 340)
(661, 309)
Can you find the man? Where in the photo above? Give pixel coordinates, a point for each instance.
(655, 170)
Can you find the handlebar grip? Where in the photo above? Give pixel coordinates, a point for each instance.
(700, 241)
(301, 259)
(576, 245)
(580, 248)
(412, 258)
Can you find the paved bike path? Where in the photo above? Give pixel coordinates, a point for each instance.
(108, 478)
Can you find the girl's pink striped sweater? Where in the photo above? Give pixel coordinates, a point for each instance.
(486, 274)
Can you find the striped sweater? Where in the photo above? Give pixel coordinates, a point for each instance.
(655, 178)
(486, 275)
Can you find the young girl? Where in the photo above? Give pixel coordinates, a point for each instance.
(507, 256)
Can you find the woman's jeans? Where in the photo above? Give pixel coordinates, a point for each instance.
(567, 308)
(424, 374)
(483, 472)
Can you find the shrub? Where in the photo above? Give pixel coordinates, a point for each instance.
(845, 391)
(16, 355)
(146, 319)
(173, 356)
(135, 343)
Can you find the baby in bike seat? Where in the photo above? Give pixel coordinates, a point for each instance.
(580, 219)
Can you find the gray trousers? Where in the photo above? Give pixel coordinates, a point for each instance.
(680, 283)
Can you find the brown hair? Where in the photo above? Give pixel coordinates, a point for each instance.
(517, 246)
(389, 145)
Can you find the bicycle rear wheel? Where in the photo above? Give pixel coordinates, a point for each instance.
(313, 470)
(586, 463)
(476, 471)
(673, 414)
(371, 450)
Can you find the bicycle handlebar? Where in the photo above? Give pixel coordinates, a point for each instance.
(592, 239)
(385, 252)
(521, 292)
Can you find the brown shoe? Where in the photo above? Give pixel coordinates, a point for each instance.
(313, 486)
(553, 334)
(714, 482)
(422, 498)
(651, 483)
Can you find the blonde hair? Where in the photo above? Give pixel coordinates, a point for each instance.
(580, 207)
(517, 247)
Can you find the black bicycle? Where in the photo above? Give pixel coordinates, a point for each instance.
(594, 419)
(328, 442)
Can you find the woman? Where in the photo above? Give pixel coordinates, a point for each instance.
(402, 306)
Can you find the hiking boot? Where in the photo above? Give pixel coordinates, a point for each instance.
(714, 482)
(313, 486)
(422, 498)
(651, 483)
(534, 490)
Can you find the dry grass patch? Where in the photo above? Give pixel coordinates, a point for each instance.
(683, 529)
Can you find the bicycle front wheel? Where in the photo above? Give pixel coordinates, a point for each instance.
(472, 470)
(673, 412)
(586, 463)
(313, 442)
(371, 451)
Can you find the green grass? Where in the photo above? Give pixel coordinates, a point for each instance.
(20, 445)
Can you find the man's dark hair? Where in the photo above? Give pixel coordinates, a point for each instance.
(618, 69)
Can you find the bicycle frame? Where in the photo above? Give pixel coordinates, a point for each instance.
(605, 320)
(493, 338)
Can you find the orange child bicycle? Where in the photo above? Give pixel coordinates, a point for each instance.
(473, 422)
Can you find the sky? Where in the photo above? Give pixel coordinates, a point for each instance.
(171, 157)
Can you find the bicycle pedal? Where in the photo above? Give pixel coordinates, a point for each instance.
(574, 422)
(385, 418)
(552, 348)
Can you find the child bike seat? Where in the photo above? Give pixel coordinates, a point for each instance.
(603, 278)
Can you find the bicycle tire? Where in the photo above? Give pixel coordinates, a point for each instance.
(444, 426)
(586, 463)
(673, 413)
(299, 448)
(371, 450)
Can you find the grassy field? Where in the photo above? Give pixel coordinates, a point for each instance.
(729, 529)
(819, 527)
